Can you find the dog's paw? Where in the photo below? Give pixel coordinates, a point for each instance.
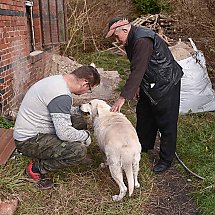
(137, 185)
(102, 165)
(116, 198)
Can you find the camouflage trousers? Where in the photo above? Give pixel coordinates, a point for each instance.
(50, 153)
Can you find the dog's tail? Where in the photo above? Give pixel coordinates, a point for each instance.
(127, 167)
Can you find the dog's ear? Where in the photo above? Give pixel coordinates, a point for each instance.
(101, 109)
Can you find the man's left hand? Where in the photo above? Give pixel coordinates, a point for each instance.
(118, 104)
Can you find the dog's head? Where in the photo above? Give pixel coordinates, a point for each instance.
(95, 107)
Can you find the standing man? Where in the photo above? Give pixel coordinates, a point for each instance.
(155, 80)
(46, 128)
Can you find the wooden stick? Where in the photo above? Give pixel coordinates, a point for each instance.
(114, 43)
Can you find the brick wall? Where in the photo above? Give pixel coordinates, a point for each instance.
(21, 63)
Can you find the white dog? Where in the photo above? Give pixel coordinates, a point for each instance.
(117, 138)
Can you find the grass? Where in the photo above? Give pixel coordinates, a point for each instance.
(79, 190)
(196, 146)
(85, 190)
(108, 61)
(5, 123)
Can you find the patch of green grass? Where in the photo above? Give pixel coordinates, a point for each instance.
(12, 179)
(79, 189)
(196, 147)
(108, 61)
(5, 123)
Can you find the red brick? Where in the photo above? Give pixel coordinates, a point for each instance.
(14, 47)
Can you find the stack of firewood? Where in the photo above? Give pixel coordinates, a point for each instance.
(161, 24)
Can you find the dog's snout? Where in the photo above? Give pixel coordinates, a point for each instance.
(83, 108)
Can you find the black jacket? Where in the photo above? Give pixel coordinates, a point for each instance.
(162, 71)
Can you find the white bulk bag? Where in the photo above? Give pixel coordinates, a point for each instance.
(197, 94)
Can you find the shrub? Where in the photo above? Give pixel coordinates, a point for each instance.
(151, 6)
(87, 23)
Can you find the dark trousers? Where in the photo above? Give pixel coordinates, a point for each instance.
(162, 117)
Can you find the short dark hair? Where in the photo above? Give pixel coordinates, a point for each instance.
(89, 73)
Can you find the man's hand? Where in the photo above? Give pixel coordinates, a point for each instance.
(88, 140)
(118, 104)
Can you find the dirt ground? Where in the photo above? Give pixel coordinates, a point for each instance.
(171, 193)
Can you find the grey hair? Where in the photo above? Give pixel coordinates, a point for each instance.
(127, 26)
